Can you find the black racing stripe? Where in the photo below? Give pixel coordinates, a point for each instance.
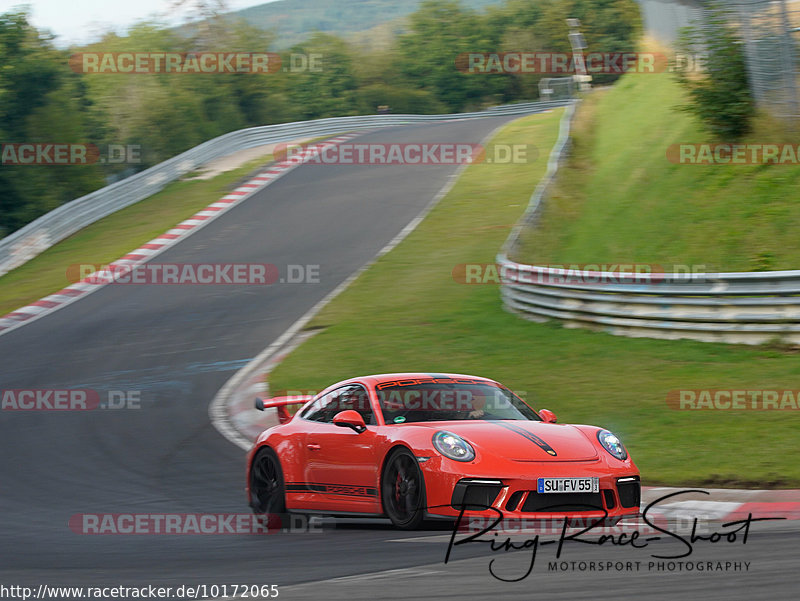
(347, 490)
(303, 487)
(532, 437)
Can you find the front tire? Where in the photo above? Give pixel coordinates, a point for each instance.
(267, 489)
(403, 490)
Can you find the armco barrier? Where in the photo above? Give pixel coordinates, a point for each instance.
(41, 234)
(748, 308)
(744, 308)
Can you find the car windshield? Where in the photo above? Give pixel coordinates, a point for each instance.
(408, 401)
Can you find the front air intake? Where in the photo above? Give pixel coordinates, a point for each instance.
(561, 502)
(475, 495)
(630, 491)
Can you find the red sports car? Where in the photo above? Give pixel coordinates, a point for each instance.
(413, 445)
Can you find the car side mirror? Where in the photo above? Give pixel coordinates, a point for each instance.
(548, 416)
(350, 419)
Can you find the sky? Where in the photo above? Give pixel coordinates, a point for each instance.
(80, 21)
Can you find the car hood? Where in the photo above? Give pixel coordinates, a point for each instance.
(522, 440)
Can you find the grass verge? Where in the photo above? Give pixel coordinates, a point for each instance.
(620, 200)
(406, 313)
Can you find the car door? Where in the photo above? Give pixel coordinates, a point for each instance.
(300, 490)
(343, 465)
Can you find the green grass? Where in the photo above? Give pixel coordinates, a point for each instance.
(114, 236)
(406, 313)
(620, 200)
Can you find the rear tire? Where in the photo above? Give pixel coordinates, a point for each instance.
(267, 489)
(403, 490)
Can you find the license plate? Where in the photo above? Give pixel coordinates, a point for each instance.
(561, 485)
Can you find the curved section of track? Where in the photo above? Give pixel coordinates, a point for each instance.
(177, 345)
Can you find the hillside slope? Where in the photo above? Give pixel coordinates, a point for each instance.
(293, 20)
(619, 199)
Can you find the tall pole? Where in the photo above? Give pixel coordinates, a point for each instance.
(578, 43)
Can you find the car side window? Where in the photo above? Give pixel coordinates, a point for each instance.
(355, 397)
(347, 397)
(311, 412)
(329, 406)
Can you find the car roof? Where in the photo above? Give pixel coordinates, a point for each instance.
(375, 379)
(383, 378)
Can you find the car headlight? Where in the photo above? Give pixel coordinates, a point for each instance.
(453, 446)
(612, 444)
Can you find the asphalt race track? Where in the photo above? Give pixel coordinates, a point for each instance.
(178, 345)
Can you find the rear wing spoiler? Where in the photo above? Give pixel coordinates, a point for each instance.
(279, 403)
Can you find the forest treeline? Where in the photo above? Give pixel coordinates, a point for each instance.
(44, 100)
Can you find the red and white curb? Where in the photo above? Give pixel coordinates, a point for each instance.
(144, 253)
(729, 511)
(243, 416)
(722, 504)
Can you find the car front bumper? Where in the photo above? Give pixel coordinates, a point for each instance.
(451, 492)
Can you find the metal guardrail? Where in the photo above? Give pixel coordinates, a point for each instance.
(747, 308)
(39, 235)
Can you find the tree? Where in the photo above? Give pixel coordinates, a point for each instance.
(720, 95)
(325, 85)
(40, 102)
